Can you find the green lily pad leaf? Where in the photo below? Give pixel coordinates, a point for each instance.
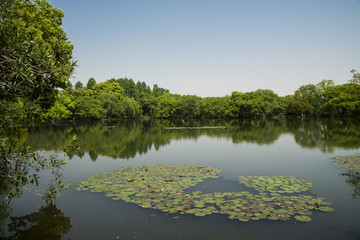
(273, 217)
(325, 209)
(302, 218)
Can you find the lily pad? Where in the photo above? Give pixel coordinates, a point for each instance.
(162, 187)
(276, 184)
(326, 209)
(351, 163)
(302, 218)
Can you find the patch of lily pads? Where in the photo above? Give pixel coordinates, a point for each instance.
(351, 163)
(162, 186)
(279, 184)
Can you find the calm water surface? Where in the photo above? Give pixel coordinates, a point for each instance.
(300, 148)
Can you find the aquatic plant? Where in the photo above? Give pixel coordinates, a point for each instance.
(351, 163)
(162, 186)
(279, 184)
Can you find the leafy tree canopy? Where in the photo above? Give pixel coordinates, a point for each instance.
(356, 77)
(35, 54)
(91, 82)
(79, 85)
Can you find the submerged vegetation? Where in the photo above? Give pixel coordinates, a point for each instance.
(163, 187)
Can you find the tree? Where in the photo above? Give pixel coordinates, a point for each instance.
(88, 107)
(20, 167)
(190, 106)
(79, 85)
(342, 100)
(35, 60)
(111, 104)
(56, 112)
(167, 106)
(127, 84)
(324, 84)
(306, 100)
(261, 102)
(109, 87)
(91, 82)
(35, 54)
(216, 107)
(356, 77)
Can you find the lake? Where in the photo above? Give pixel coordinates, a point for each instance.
(301, 148)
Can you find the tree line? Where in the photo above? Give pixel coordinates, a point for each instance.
(123, 98)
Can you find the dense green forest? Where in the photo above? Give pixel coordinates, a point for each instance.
(123, 98)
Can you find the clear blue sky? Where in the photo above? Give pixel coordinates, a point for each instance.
(214, 47)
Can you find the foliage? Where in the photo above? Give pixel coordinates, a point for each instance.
(122, 98)
(356, 77)
(131, 108)
(35, 60)
(20, 166)
(91, 83)
(109, 87)
(57, 112)
(190, 106)
(324, 84)
(35, 54)
(79, 85)
(306, 101)
(216, 107)
(252, 104)
(167, 107)
(342, 100)
(88, 107)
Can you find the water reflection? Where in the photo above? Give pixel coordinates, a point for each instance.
(353, 179)
(326, 134)
(126, 139)
(5, 211)
(47, 223)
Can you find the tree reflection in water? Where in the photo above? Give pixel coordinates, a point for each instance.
(48, 223)
(127, 139)
(353, 179)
